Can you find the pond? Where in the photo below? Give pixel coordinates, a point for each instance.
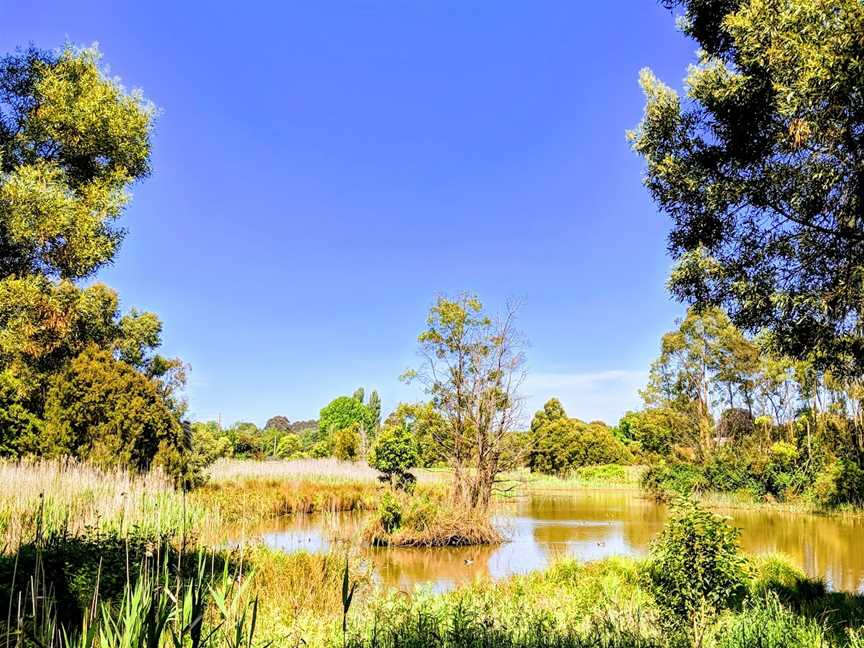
(585, 524)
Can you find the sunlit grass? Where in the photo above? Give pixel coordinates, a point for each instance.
(254, 500)
(611, 476)
(318, 470)
(68, 496)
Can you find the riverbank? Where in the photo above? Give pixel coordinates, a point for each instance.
(92, 531)
(299, 599)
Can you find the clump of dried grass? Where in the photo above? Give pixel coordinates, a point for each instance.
(428, 519)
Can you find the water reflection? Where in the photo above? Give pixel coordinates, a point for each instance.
(588, 525)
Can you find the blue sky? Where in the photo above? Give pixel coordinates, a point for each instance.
(323, 169)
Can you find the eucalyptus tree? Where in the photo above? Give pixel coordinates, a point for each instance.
(704, 364)
(760, 165)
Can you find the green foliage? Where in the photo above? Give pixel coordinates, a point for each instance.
(559, 444)
(72, 142)
(390, 512)
(126, 593)
(342, 413)
(374, 406)
(840, 482)
(320, 449)
(208, 443)
(246, 440)
(427, 426)
(759, 170)
(695, 570)
(653, 429)
(394, 453)
(603, 473)
(705, 355)
(665, 480)
(766, 623)
(290, 446)
(472, 363)
(345, 442)
(103, 410)
(552, 412)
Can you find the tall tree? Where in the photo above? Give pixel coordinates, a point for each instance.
(374, 406)
(472, 369)
(72, 142)
(706, 355)
(343, 412)
(761, 168)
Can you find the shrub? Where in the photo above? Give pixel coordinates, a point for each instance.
(320, 449)
(390, 512)
(345, 443)
(841, 482)
(394, 453)
(694, 568)
(729, 470)
(666, 480)
(104, 410)
(289, 447)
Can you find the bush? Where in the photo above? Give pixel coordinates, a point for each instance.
(729, 470)
(289, 447)
(390, 512)
(667, 480)
(841, 482)
(694, 568)
(394, 453)
(104, 410)
(345, 443)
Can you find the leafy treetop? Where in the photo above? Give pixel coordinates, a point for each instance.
(761, 168)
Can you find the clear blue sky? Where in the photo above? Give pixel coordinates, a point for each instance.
(323, 169)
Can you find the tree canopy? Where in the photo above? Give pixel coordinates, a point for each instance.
(472, 370)
(72, 142)
(342, 413)
(760, 165)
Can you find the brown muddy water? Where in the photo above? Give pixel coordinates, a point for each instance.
(584, 524)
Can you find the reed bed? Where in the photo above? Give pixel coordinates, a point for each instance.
(325, 469)
(254, 500)
(72, 497)
(427, 519)
(318, 470)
